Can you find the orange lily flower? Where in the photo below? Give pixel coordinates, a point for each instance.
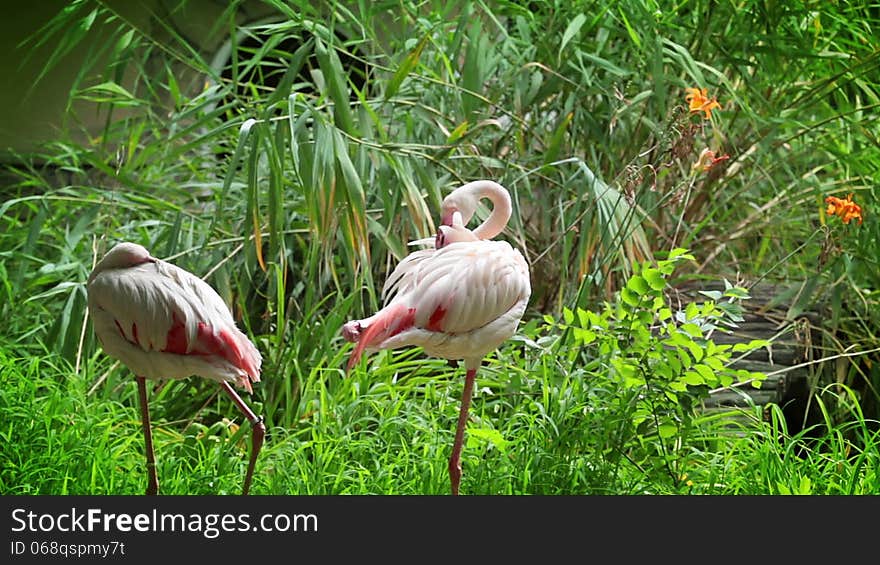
(846, 209)
(707, 160)
(698, 101)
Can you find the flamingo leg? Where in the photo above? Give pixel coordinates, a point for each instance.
(455, 458)
(153, 481)
(258, 432)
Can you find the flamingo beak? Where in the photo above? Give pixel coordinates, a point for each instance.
(446, 219)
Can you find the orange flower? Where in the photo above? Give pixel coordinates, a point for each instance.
(707, 160)
(699, 102)
(846, 209)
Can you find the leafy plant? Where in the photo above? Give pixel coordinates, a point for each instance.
(659, 363)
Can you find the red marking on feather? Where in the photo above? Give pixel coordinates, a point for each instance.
(225, 344)
(388, 323)
(134, 333)
(175, 341)
(436, 319)
(222, 343)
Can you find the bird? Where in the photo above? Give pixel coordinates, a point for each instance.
(162, 321)
(459, 299)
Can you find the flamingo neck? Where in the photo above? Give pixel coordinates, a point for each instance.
(469, 195)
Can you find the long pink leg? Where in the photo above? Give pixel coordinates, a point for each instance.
(258, 432)
(455, 458)
(153, 481)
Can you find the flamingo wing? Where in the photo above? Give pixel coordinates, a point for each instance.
(403, 275)
(465, 286)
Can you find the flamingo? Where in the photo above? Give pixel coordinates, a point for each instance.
(459, 299)
(164, 322)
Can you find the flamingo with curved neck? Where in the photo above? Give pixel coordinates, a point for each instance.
(458, 300)
(465, 200)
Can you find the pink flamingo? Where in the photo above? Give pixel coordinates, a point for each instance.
(164, 322)
(459, 299)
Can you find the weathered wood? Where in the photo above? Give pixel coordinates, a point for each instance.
(740, 398)
(794, 341)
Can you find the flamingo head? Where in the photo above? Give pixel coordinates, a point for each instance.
(454, 232)
(462, 202)
(123, 256)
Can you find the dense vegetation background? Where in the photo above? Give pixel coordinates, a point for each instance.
(292, 171)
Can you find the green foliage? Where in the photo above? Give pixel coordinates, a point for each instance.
(658, 363)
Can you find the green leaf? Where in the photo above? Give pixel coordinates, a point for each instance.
(714, 363)
(173, 87)
(679, 253)
(584, 318)
(606, 64)
(573, 28)
(806, 485)
(667, 430)
(655, 278)
(750, 346)
(737, 292)
(553, 147)
(629, 29)
(706, 372)
(61, 288)
(283, 90)
(693, 378)
(676, 361)
(632, 380)
(486, 435)
(584, 336)
(645, 317)
(109, 93)
(477, 58)
(804, 300)
(678, 386)
(628, 373)
(713, 294)
(696, 350)
(123, 42)
(629, 297)
(331, 67)
(682, 340)
(638, 285)
(734, 312)
(459, 131)
(406, 67)
(664, 371)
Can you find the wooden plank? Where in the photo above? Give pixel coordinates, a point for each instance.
(741, 396)
(793, 342)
